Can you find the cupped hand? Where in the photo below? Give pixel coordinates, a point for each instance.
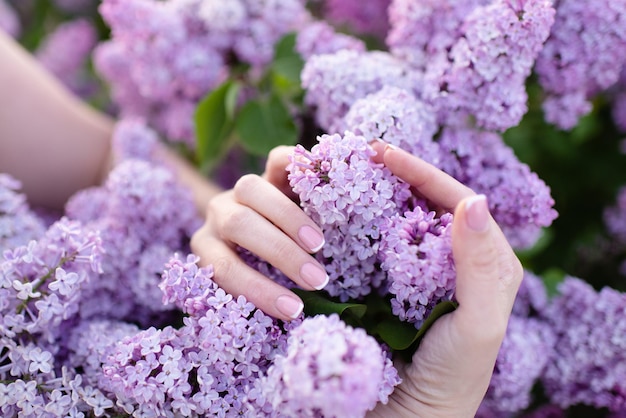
(258, 215)
(451, 370)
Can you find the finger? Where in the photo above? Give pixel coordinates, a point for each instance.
(248, 229)
(237, 278)
(261, 196)
(488, 273)
(432, 183)
(378, 145)
(276, 169)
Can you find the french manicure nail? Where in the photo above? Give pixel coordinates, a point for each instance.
(311, 238)
(314, 275)
(477, 212)
(289, 306)
(390, 147)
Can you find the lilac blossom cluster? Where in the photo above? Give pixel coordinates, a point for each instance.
(582, 57)
(521, 204)
(319, 37)
(363, 18)
(475, 56)
(41, 288)
(396, 116)
(209, 366)
(522, 359)
(333, 82)
(164, 56)
(66, 52)
(518, 199)
(589, 365)
(329, 369)
(9, 20)
(350, 197)
(18, 223)
(416, 252)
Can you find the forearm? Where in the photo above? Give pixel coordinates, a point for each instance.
(51, 141)
(54, 143)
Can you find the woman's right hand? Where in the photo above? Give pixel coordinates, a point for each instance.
(259, 215)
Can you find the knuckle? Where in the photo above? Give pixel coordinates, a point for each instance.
(223, 268)
(233, 223)
(245, 185)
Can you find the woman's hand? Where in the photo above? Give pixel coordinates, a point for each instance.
(450, 372)
(258, 215)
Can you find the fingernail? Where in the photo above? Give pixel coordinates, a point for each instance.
(377, 140)
(311, 238)
(390, 147)
(314, 275)
(477, 212)
(289, 306)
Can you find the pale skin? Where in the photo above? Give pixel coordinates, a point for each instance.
(56, 145)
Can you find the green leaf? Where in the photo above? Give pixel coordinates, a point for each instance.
(315, 303)
(286, 68)
(214, 122)
(400, 335)
(263, 124)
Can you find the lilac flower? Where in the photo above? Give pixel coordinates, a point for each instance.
(333, 82)
(349, 197)
(532, 297)
(526, 350)
(361, 17)
(319, 38)
(9, 20)
(416, 251)
(65, 53)
(399, 118)
(18, 223)
(589, 364)
(329, 369)
(518, 199)
(162, 64)
(581, 58)
(425, 30)
(42, 283)
(206, 367)
(495, 55)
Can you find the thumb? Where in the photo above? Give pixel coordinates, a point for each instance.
(476, 242)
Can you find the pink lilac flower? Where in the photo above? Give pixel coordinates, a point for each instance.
(425, 30)
(363, 18)
(65, 52)
(475, 55)
(42, 283)
(518, 199)
(582, 57)
(416, 252)
(9, 20)
(396, 116)
(350, 197)
(525, 352)
(318, 37)
(18, 223)
(163, 62)
(329, 369)
(589, 364)
(532, 297)
(333, 82)
(206, 367)
(615, 217)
